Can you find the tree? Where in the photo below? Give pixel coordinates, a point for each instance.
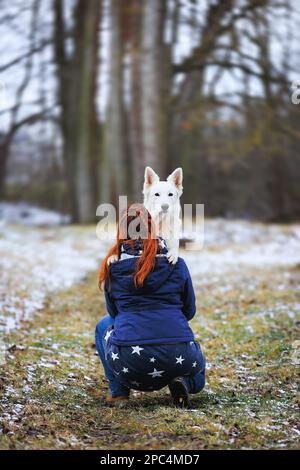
(16, 122)
(113, 180)
(152, 75)
(168, 103)
(133, 35)
(77, 74)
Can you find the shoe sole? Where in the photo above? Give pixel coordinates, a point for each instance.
(179, 394)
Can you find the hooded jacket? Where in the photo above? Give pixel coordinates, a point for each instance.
(159, 311)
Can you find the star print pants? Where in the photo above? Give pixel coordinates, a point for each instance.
(148, 367)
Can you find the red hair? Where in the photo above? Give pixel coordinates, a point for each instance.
(146, 228)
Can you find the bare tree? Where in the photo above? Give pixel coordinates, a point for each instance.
(16, 119)
(113, 179)
(152, 72)
(163, 106)
(77, 90)
(134, 13)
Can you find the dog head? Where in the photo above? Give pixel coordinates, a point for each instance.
(161, 197)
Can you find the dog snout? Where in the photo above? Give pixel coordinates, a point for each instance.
(165, 207)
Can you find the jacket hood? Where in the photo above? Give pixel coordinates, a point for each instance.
(122, 272)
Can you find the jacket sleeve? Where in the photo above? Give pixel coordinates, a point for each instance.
(110, 304)
(189, 300)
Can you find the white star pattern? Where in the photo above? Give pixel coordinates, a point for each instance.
(136, 350)
(179, 360)
(195, 364)
(114, 356)
(125, 370)
(135, 383)
(108, 333)
(152, 359)
(156, 373)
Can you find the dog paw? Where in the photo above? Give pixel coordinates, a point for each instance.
(172, 256)
(112, 259)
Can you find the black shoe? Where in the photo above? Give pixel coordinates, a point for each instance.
(179, 392)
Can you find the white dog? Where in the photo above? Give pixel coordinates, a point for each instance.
(161, 199)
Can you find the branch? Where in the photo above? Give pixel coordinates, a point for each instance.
(227, 65)
(29, 120)
(214, 28)
(29, 53)
(29, 64)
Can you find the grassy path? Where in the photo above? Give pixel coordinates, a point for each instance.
(52, 388)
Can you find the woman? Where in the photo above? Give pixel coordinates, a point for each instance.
(145, 343)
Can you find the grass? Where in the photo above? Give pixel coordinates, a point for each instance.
(52, 388)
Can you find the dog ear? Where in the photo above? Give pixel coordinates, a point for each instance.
(150, 177)
(176, 178)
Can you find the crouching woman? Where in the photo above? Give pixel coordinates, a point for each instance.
(145, 342)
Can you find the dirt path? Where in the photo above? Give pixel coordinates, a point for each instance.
(52, 387)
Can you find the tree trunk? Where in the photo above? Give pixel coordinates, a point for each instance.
(77, 91)
(191, 88)
(152, 111)
(134, 114)
(278, 181)
(86, 56)
(114, 151)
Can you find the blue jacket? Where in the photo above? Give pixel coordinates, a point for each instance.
(157, 312)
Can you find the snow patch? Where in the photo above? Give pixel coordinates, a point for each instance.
(230, 246)
(25, 214)
(41, 256)
(36, 262)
